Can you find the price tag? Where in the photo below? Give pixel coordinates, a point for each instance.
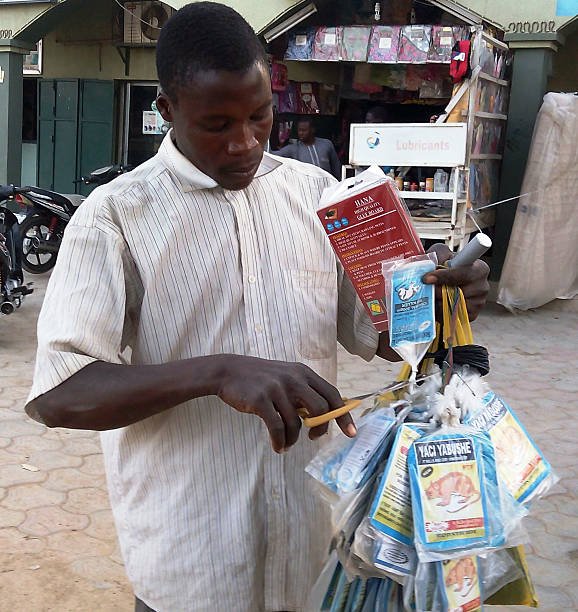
(385, 43)
(330, 39)
(446, 41)
(301, 40)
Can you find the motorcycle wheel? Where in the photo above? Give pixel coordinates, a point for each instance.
(35, 227)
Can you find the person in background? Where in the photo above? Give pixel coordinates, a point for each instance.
(312, 150)
(377, 114)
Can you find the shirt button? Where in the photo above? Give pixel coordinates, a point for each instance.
(252, 279)
(258, 328)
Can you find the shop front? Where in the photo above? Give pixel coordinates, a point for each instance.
(412, 71)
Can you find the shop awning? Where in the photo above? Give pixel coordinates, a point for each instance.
(261, 15)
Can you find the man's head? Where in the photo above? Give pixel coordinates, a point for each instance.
(216, 91)
(306, 131)
(377, 114)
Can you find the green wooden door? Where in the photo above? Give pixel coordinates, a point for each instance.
(57, 138)
(75, 131)
(96, 128)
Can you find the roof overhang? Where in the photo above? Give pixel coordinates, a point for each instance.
(262, 16)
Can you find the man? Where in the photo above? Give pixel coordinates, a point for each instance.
(195, 306)
(312, 150)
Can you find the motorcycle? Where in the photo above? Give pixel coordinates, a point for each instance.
(12, 287)
(49, 213)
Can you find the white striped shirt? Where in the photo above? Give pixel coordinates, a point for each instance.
(161, 265)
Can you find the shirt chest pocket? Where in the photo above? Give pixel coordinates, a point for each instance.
(312, 311)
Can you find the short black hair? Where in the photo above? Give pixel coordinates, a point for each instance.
(379, 113)
(308, 120)
(205, 36)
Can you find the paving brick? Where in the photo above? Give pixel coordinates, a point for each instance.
(51, 460)
(52, 519)
(65, 479)
(86, 501)
(15, 475)
(82, 447)
(13, 540)
(11, 518)
(25, 497)
(25, 445)
(13, 428)
(92, 465)
(101, 525)
(96, 568)
(72, 545)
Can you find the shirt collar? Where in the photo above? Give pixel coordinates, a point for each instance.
(190, 177)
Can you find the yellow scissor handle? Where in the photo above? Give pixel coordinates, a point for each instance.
(328, 416)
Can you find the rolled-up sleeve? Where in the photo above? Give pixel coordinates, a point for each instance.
(84, 315)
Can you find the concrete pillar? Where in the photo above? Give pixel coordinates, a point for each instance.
(531, 69)
(11, 57)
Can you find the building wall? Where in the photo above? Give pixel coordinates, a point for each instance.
(509, 13)
(565, 67)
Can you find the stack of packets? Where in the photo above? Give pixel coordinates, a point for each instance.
(428, 501)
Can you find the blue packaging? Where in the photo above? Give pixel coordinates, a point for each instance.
(412, 316)
(455, 495)
(521, 465)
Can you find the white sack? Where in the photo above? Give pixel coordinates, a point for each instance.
(542, 259)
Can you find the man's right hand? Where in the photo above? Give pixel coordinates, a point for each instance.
(275, 391)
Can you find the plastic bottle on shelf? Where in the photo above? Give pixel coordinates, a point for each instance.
(440, 180)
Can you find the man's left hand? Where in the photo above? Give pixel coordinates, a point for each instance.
(472, 280)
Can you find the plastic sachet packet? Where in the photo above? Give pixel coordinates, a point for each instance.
(390, 511)
(410, 306)
(393, 559)
(345, 464)
(521, 465)
(461, 583)
(458, 503)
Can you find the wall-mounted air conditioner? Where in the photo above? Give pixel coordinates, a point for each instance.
(143, 21)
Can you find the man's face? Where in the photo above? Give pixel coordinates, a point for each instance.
(305, 131)
(221, 123)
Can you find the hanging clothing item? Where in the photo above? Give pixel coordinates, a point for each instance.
(384, 44)
(542, 260)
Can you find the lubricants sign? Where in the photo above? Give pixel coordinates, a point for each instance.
(409, 144)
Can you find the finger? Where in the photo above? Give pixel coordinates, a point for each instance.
(454, 277)
(290, 418)
(325, 390)
(347, 425)
(275, 426)
(442, 251)
(317, 432)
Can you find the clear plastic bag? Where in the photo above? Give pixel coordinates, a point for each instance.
(345, 464)
(411, 307)
(521, 464)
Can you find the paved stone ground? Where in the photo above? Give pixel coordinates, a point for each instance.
(58, 548)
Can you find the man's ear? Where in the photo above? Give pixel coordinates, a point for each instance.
(165, 106)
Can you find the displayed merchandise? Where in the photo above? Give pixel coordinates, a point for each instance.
(367, 222)
(327, 44)
(442, 42)
(437, 526)
(288, 99)
(300, 45)
(414, 44)
(307, 96)
(521, 465)
(279, 77)
(384, 44)
(354, 43)
(410, 307)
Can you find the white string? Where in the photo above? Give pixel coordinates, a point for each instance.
(135, 17)
(523, 195)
